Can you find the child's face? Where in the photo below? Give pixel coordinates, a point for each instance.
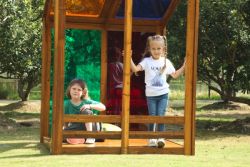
(76, 92)
(157, 49)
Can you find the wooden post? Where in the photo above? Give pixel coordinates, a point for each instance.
(190, 76)
(104, 67)
(58, 86)
(46, 63)
(126, 76)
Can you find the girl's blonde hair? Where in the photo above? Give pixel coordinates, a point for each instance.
(82, 84)
(161, 38)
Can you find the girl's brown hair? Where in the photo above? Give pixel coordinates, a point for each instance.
(82, 84)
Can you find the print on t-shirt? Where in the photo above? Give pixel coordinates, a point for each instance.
(157, 81)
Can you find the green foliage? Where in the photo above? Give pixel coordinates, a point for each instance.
(20, 43)
(224, 41)
(224, 47)
(4, 94)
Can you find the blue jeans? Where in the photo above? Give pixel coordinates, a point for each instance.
(157, 106)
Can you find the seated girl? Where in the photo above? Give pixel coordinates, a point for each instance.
(80, 103)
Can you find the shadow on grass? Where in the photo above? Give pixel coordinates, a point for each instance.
(23, 146)
(211, 129)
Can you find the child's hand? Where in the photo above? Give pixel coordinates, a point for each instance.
(85, 106)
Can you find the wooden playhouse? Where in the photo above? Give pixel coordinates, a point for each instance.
(114, 15)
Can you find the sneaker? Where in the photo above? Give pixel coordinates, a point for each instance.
(90, 141)
(160, 143)
(152, 143)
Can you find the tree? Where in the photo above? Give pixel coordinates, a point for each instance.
(20, 43)
(224, 41)
(224, 48)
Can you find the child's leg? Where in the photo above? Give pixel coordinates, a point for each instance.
(152, 106)
(89, 126)
(161, 110)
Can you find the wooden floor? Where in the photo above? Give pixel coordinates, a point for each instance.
(136, 146)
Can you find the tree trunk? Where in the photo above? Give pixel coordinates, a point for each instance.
(22, 93)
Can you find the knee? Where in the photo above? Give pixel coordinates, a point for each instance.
(87, 112)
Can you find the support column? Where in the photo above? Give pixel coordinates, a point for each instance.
(46, 63)
(126, 76)
(190, 76)
(104, 63)
(58, 85)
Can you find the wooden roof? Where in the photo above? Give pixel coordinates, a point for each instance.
(108, 14)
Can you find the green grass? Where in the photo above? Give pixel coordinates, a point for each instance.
(20, 147)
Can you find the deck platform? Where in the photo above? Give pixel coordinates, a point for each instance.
(113, 146)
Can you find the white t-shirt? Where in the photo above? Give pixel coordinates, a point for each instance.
(156, 83)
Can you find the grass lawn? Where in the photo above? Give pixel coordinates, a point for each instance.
(20, 147)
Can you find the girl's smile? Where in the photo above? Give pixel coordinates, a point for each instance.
(157, 49)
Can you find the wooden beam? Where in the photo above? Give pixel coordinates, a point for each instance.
(47, 7)
(126, 76)
(190, 75)
(117, 134)
(46, 63)
(169, 12)
(107, 8)
(156, 135)
(92, 134)
(154, 150)
(174, 120)
(58, 85)
(104, 64)
(92, 118)
(114, 8)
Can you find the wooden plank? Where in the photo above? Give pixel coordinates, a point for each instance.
(138, 22)
(136, 146)
(92, 118)
(154, 150)
(177, 120)
(117, 135)
(190, 78)
(114, 8)
(196, 33)
(46, 9)
(91, 150)
(126, 75)
(92, 134)
(108, 5)
(44, 60)
(152, 135)
(58, 86)
(46, 63)
(136, 28)
(104, 66)
(119, 21)
(169, 12)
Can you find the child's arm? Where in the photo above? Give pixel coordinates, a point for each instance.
(95, 106)
(98, 107)
(135, 68)
(180, 71)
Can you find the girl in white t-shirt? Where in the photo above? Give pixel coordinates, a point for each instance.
(157, 67)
